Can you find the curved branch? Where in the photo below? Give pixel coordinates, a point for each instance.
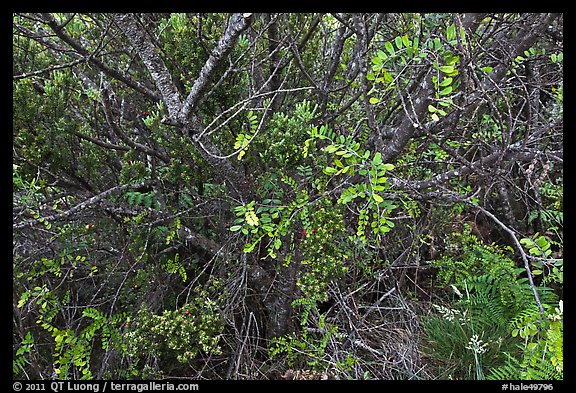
(520, 249)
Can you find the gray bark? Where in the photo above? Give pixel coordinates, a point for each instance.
(238, 23)
(158, 70)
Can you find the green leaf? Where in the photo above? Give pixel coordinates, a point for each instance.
(431, 109)
(406, 41)
(236, 228)
(445, 102)
(446, 91)
(532, 346)
(330, 149)
(388, 78)
(452, 60)
(435, 117)
(388, 46)
(447, 69)
(381, 55)
(446, 82)
(251, 218)
(451, 32)
(377, 198)
(374, 100)
(398, 42)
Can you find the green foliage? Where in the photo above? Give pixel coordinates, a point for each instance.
(458, 350)
(146, 199)
(288, 133)
(324, 258)
(349, 159)
(494, 304)
(26, 191)
(133, 171)
(19, 360)
(389, 64)
(180, 334)
(469, 257)
(542, 346)
(308, 348)
(287, 156)
(173, 266)
(489, 131)
(74, 350)
(539, 247)
(243, 139)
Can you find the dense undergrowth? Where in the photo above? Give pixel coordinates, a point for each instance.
(288, 196)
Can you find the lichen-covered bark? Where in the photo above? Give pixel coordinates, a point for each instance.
(152, 60)
(238, 23)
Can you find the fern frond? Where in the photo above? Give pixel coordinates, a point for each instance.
(509, 371)
(542, 370)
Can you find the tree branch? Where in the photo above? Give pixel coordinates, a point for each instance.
(121, 135)
(520, 249)
(82, 205)
(56, 28)
(512, 152)
(153, 62)
(238, 24)
(400, 135)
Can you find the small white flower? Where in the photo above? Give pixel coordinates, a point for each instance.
(475, 344)
(559, 311)
(456, 290)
